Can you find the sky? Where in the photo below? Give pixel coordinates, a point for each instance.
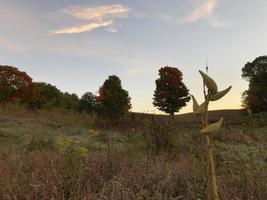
(76, 45)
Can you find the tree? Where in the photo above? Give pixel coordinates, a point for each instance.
(88, 103)
(171, 93)
(255, 98)
(70, 101)
(13, 83)
(33, 99)
(114, 100)
(47, 96)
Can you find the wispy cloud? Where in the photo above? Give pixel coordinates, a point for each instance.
(83, 28)
(204, 10)
(97, 12)
(94, 17)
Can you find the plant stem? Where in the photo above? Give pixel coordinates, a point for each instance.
(208, 168)
(210, 157)
(205, 121)
(211, 168)
(210, 193)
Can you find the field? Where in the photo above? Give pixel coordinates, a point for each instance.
(64, 155)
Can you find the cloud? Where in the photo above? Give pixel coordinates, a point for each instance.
(204, 10)
(97, 12)
(83, 28)
(95, 17)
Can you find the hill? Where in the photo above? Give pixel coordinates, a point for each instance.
(66, 155)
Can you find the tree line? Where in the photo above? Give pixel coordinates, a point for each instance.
(17, 86)
(112, 101)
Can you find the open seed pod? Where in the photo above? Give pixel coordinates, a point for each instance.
(195, 104)
(220, 94)
(209, 82)
(202, 108)
(212, 128)
(198, 109)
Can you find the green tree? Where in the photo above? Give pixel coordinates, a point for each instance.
(47, 96)
(171, 94)
(14, 84)
(88, 103)
(114, 100)
(255, 98)
(70, 101)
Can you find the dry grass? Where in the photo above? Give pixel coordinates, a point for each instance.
(50, 175)
(58, 155)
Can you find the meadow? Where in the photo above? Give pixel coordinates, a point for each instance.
(65, 155)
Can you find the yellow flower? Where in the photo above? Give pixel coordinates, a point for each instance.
(83, 150)
(67, 141)
(93, 132)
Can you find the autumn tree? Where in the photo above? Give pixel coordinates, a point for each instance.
(171, 94)
(114, 100)
(255, 98)
(14, 84)
(33, 98)
(88, 103)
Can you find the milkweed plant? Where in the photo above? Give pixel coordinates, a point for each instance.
(211, 93)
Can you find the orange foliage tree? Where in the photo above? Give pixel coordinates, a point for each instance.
(14, 84)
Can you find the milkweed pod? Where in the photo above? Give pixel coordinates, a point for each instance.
(212, 128)
(202, 108)
(209, 82)
(220, 94)
(195, 104)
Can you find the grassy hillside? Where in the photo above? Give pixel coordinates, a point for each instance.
(63, 155)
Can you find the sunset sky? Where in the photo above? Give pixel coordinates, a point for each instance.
(76, 45)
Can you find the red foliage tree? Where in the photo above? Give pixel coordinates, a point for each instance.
(171, 94)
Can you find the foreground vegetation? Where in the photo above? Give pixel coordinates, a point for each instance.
(64, 155)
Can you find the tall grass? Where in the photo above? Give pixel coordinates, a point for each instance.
(59, 155)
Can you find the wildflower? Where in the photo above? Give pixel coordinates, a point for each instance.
(83, 150)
